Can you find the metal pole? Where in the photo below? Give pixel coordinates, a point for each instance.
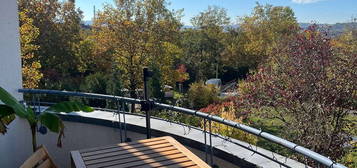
(210, 141)
(38, 104)
(33, 103)
(125, 133)
(118, 112)
(204, 131)
(147, 112)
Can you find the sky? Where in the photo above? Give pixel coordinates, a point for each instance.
(306, 11)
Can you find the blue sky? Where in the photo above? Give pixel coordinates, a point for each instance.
(320, 11)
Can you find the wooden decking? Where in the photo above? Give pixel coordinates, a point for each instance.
(155, 152)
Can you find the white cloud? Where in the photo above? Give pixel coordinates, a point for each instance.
(305, 1)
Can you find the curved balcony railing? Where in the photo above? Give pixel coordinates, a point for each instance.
(207, 117)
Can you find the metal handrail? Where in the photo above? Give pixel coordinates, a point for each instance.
(285, 143)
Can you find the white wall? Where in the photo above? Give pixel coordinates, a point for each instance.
(10, 59)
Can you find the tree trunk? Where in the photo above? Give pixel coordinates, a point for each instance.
(132, 86)
(133, 95)
(180, 87)
(34, 142)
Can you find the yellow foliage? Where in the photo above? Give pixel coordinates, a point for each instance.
(201, 95)
(128, 39)
(30, 64)
(228, 111)
(350, 159)
(266, 28)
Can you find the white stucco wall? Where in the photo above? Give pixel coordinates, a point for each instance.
(10, 60)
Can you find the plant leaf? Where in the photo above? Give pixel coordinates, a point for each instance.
(51, 121)
(69, 106)
(9, 100)
(7, 115)
(54, 124)
(31, 115)
(5, 110)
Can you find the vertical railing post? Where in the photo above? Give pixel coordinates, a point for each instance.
(33, 102)
(147, 74)
(205, 136)
(125, 132)
(118, 113)
(210, 141)
(38, 104)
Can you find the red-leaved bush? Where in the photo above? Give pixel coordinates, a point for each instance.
(310, 86)
(229, 111)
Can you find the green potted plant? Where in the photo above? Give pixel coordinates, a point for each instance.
(48, 118)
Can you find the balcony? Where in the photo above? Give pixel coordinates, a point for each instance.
(111, 126)
(116, 123)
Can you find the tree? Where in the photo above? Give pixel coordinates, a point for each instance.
(47, 118)
(236, 62)
(212, 17)
(156, 89)
(84, 53)
(203, 45)
(181, 76)
(101, 83)
(310, 87)
(134, 34)
(59, 27)
(346, 44)
(30, 64)
(264, 29)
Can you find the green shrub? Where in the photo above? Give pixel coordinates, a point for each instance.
(102, 84)
(201, 95)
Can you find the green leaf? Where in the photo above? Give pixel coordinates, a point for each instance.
(31, 116)
(5, 110)
(9, 100)
(69, 106)
(51, 121)
(7, 115)
(54, 124)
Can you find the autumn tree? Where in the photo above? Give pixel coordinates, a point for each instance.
(236, 62)
(30, 64)
(203, 44)
(213, 17)
(263, 30)
(137, 33)
(84, 53)
(346, 44)
(181, 75)
(59, 27)
(310, 88)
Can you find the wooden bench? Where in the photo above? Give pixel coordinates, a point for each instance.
(39, 159)
(148, 153)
